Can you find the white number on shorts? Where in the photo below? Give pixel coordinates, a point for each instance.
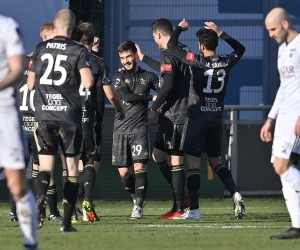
(44, 79)
(24, 106)
(136, 149)
(209, 73)
(84, 92)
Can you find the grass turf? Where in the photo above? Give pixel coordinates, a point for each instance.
(217, 229)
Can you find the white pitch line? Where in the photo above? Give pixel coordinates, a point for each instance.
(209, 226)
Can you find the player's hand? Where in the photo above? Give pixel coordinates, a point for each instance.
(122, 114)
(297, 127)
(154, 98)
(184, 25)
(214, 27)
(267, 130)
(139, 51)
(152, 118)
(96, 44)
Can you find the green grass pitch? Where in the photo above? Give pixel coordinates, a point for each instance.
(217, 229)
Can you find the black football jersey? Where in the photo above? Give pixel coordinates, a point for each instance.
(210, 76)
(56, 64)
(93, 99)
(25, 100)
(141, 82)
(175, 106)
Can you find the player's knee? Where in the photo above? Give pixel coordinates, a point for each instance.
(124, 172)
(17, 189)
(279, 168)
(158, 155)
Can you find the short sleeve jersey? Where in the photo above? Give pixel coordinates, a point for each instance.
(25, 100)
(140, 83)
(95, 94)
(10, 44)
(56, 64)
(175, 106)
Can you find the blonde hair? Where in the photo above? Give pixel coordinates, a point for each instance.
(46, 28)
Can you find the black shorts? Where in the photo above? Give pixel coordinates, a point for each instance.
(33, 152)
(168, 138)
(49, 134)
(199, 136)
(128, 149)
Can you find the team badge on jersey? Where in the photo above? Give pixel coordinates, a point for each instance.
(127, 81)
(189, 56)
(166, 68)
(142, 81)
(116, 83)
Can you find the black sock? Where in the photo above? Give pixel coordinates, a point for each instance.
(226, 177)
(70, 194)
(178, 179)
(80, 196)
(193, 186)
(64, 178)
(34, 175)
(89, 176)
(12, 204)
(52, 199)
(129, 185)
(43, 181)
(141, 185)
(165, 170)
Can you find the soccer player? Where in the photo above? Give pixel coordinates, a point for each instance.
(171, 103)
(285, 111)
(27, 110)
(204, 125)
(13, 140)
(58, 67)
(130, 136)
(92, 107)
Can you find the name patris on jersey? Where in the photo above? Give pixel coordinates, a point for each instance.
(61, 46)
(54, 103)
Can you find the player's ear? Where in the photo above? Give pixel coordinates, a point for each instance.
(285, 24)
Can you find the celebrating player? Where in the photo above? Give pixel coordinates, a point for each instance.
(130, 138)
(203, 127)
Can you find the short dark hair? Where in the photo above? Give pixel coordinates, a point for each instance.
(163, 26)
(208, 38)
(84, 33)
(127, 45)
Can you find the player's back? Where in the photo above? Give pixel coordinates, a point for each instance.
(209, 84)
(56, 64)
(175, 106)
(25, 100)
(92, 98)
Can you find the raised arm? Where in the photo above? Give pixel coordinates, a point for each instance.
(239, 48)
(155, 65)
